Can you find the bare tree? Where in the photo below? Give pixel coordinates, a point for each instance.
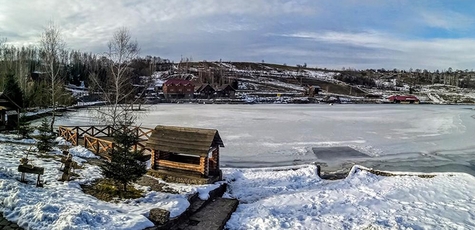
(117, 90)
(2, 59)
(52, 47)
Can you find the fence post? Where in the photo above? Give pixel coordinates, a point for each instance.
(97, 146)
(112, 150)
(76, 129)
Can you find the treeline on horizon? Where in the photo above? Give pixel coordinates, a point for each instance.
(23, 70)
(23, 73)
(459, 78)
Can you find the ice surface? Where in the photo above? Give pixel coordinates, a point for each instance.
(399, 137)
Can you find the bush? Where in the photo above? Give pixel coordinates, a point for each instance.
(24, 128)
(124, 166)
(45, 139)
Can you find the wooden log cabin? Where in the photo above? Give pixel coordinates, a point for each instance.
(9, 113)
(186, 151)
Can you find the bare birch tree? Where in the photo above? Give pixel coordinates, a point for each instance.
(2, 59)
(52, 47)
(117, 90)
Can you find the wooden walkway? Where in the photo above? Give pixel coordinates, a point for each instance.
(7, 225)
(213, 216)
(99, 139)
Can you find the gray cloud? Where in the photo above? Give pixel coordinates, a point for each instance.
(347, 33)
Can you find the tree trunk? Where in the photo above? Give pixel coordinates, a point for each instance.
(52, 121)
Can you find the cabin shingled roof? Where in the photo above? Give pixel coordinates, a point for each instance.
(8, 103)
(175, 81)
(184, 140)
(226, 87)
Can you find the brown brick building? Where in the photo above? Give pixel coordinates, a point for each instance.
(178, 89)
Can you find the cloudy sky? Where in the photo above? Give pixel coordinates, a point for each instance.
(403, 34)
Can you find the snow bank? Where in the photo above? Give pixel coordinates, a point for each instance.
(63, 205)
(251, 185)
(297, 199)
(59, 205)
(37, 208)
(14, 138)
(80, 151)
(435, 98)
(62, 141)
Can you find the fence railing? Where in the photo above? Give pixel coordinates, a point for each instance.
(106, 130)
(99, 146)
(92, 136)
(69, 135)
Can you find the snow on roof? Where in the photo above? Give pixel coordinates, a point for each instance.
(159, 82)
(177, 82)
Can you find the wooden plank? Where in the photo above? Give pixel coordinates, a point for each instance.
(31, 169)
(204, 165)
(178, 165)
(180, 148)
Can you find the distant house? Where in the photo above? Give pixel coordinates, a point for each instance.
(403, 99)
(158, 85)
(9, 113)
(204, 91)
(312, 90)
(37, 76)
(226, 91)
(178, 89)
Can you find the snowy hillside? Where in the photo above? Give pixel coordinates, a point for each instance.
(349, 83)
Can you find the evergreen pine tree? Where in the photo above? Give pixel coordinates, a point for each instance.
(45, 139)
(12, 90)
(24, 128)
(124, 166)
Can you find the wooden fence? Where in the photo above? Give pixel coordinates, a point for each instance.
(92, 137)
(101, 131)
(69, 135)
(98, 146)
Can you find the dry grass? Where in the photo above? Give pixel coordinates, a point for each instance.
(107, 190)
(155, 185)
(387, 174)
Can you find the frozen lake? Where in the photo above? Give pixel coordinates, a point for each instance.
(423, 138)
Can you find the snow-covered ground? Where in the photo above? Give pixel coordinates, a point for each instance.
(418, 138)
(298, 199)
(269, 82)
(63, 205)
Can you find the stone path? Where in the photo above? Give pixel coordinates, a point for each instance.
(7, 225)
(211, 217)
